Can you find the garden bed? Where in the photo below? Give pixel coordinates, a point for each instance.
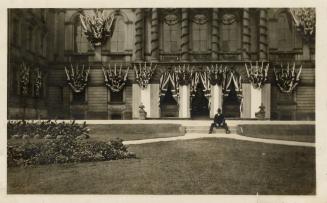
(300, 133)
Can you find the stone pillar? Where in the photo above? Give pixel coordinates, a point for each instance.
(216, 99)
(146, 99)
(246, 36)
(147, 35)
(139, 31)
(185, 35)
(256, 100)
(266, 99)
(215, 35)
(154, 35)
(136, 95)
(184, 101)
(263, 34)
(61, 34)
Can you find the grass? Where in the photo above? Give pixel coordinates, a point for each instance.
(203, 166)
(300, 133)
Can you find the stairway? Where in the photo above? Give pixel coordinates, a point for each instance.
(205, 129)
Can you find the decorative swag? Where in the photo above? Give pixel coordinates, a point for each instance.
(287, 79)
(184, 74)
(166, 79)
(202, 78)
(143, 74)
(77, 78)
(257, 74)
(305, 21)
(98, 28)
(232, 77)
(115, 80)
(216, 74)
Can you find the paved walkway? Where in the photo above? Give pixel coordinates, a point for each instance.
(190, 136)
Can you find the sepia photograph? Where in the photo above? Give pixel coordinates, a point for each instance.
(161, 101)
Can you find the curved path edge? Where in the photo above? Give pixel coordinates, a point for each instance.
(191, 136)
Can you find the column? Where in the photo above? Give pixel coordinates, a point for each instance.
(147, 35)
(216, 99)
(136, 95)
(185, 35)
(139, 29)
(154, 35)
(155, 101)
(266, 99)
(256, 100)
(263, 34)
(184, 101)
(146, 99)
(246, 36)
(215, 35)
(61, 34)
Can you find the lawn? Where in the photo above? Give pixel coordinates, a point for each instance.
(135, 131)
(203, 166)
(300, 133)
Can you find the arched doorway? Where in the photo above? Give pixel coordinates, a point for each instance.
(199, 103)
(231, 103)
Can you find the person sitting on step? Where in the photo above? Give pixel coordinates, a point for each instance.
(219, 121)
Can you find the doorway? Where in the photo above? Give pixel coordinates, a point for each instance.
(168, 105)
(231, 104)
(199, 104)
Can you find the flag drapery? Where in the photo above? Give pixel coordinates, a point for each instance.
(144, 73)
(98, 28)
(305, 21)
(287, 80)
(257, 74)
(24, 78)
(115, 79)
(166, 79)
(216, 74)
(77, 78)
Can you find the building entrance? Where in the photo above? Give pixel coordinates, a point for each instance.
(168, 105)
(199, 104)
(231, 104)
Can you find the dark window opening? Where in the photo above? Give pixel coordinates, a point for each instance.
(199, 103)
(116, 97)
(79, 98)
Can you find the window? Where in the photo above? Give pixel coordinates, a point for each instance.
(199, 37)
(79, 98)
(81, 44)
(116, 97)
(284, 39)
(118, 38)
(29, 38)
(171, 35)
(15, 32)
(230, 37)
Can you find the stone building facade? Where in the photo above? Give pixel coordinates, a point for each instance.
(172, 40)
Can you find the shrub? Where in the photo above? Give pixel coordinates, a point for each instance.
(66, 150)
(45, 129)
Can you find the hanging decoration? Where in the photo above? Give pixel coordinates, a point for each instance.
(98, 28)
(232, 77)
(200, 77)
(37, 82)
(216, 74)
(144, 74)
(24, 78)
(115, 80)
(287, 80)
(166, 79)
(77, 78)
(305, 21)
(257, 74)
(184, 74)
